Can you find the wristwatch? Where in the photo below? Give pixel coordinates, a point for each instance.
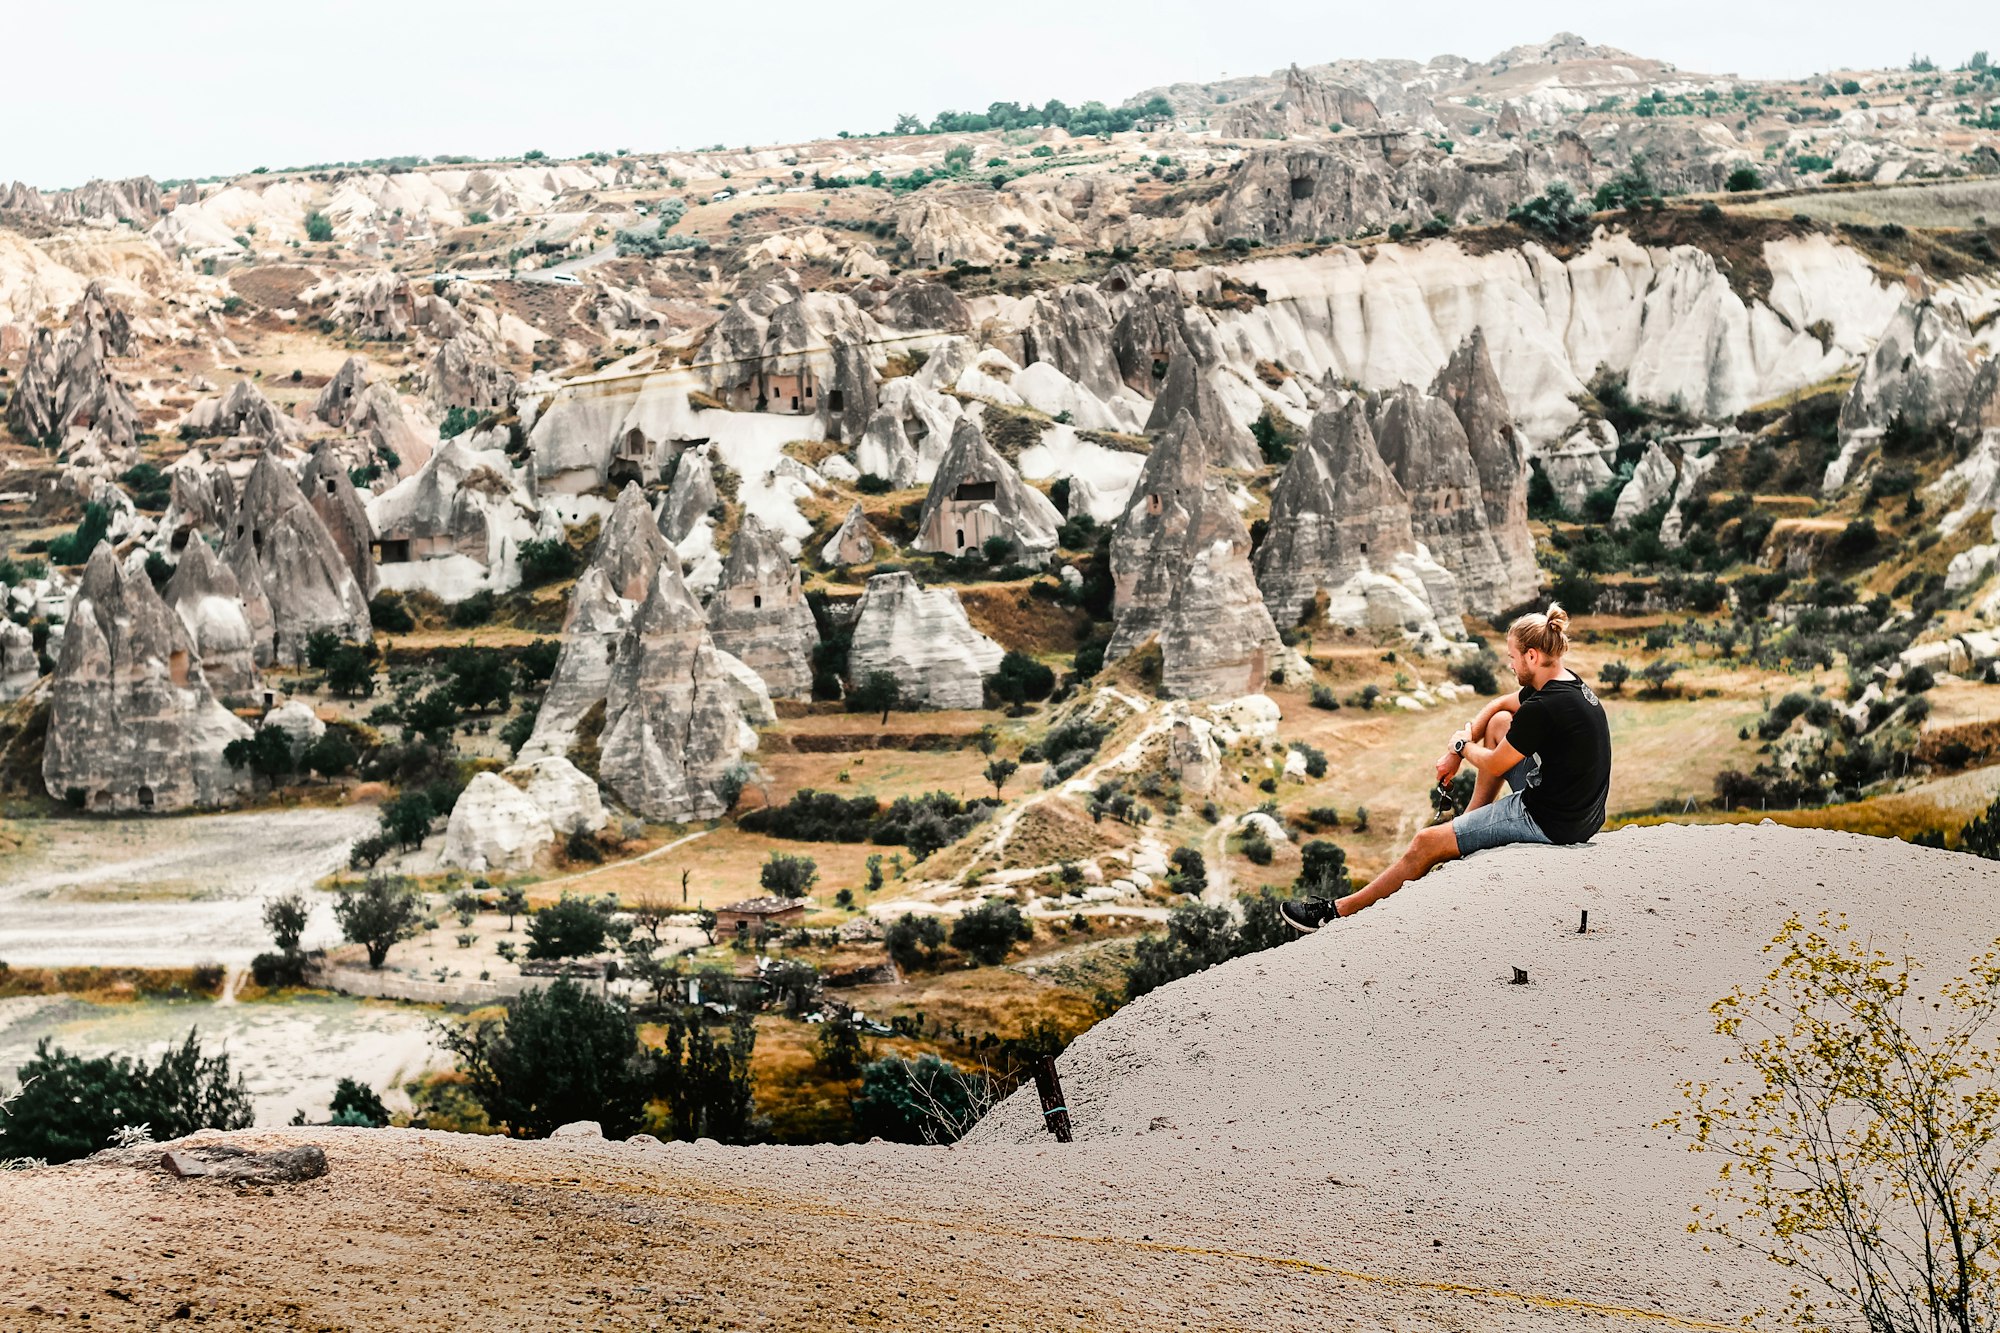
(1458, 746)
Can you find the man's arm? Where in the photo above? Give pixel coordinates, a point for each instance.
(1509, 702)
(1494, 763)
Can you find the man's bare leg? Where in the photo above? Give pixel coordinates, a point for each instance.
(1432, 847)
(1486, 787)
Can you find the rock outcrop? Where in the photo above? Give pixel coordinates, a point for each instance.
(1187, 389)
(759, 612)
(20, 667)
(66, 395)
(780, 349)
(1652, 484)
(921, 637)
(690, 496)
(855, 542)
(630, 553)
(1917, 380)
(132, 724)
(1425, 447)
(672, 726)
(1471, 386)
(977, 495)
(455, 527)
(284, 558)
(205, 595)
(907, 436)
(494, 826)
(565, 795)
(201, 499)
(1340, 528)
(465, 374)
(1158, 516)
(330, 491)
(243, 413)
(1578, 465)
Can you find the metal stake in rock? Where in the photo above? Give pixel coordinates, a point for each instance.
(1055, 1113)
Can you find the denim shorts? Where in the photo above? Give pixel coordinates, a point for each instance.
(1506, 820)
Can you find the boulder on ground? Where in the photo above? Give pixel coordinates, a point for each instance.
(921, 637)
(494, 826)
(567, 798)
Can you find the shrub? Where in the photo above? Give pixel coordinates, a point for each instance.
(545, 560)
(925, 1100)
(878, 692)
(571, 927)
(377, 915)
(74, 547)
(332, 755)
(1323, 873)
(788, 876)
(989, 931)
(69, 1107)
(1556, 214)
(275, 970)
(1315, 759)
(870, 484)
(1190, 871)
(285, 917)
(319, 228)
(1918, 679)
(473, 611)
(1745, 177)
(1199, 935)
(357, 1104)
(1614, 675)
(914, 941)
(1323, 697)
(560, 1055)
(1257, 847)
(388, 614)
(1478, 673)
(1020, 678)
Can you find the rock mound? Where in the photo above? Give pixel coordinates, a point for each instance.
(205, 594)
(976, 496)
(292, 575)
(921, 637)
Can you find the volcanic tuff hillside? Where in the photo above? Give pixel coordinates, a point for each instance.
(1371, 1127)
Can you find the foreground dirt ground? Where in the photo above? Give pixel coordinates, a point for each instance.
(1368, 1129)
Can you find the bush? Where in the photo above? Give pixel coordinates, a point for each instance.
(275, 970)
(1556, 214)
(1020, 678)
(319, 228)
(1323, 697)
(1190, 871)
(878, 692)
(1315, 759)
(74, 547)
(1745, 177)
(69, 1107)
(1257, 847)
(545, 560)
(870, 484)
(1478, 673)
(1918, 679)
(989, 931)
(377, 915)
(571, 927)
(914, 941)
(332, 755)
(388, 614)
(787, 876)
(926, 1100)
(357, 1104)
(1614, 675)
(474, 611)
(562, 1054)
(818, 816)
(1323, 873)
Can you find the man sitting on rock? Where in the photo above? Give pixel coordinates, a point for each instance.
(1548, 740)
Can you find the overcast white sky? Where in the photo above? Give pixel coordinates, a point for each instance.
(200, 87)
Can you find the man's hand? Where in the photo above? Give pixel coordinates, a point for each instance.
(1447, 766)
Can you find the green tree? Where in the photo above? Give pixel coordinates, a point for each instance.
(1981, 837)
(408, 817)
(838, 1050)
(878, 692)
(1860, 1136)
(998, 771)
(1614, 675)
(561, 1054)
(1199, 935)
(514, 902)
(285, 917)
(706, 1079)
(926, 1100)
(321, 644)
(267, 752)
(377, 915)
(989, 931)
(69, 1107)
(332, 755)
(1021, 678)
(572, 927)
(914, 940)
(1323, 870)
(1189, 874)
(1745, 177)
(788, 876)
(1556, 214)
(349, 672)
(356, 1103)
(319, 228)
(1656, 675)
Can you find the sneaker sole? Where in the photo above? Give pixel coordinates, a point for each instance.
(1300, 927)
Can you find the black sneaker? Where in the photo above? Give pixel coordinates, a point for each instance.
(1308, 914)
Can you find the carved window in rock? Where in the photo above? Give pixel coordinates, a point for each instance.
(961, 539)
(145, 798)
(177, 666)
(836, 401)
(1153, 504)
(756, 601)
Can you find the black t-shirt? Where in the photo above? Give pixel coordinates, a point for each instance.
(1564, 723)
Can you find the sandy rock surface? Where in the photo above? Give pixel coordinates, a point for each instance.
(1367, 1129)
